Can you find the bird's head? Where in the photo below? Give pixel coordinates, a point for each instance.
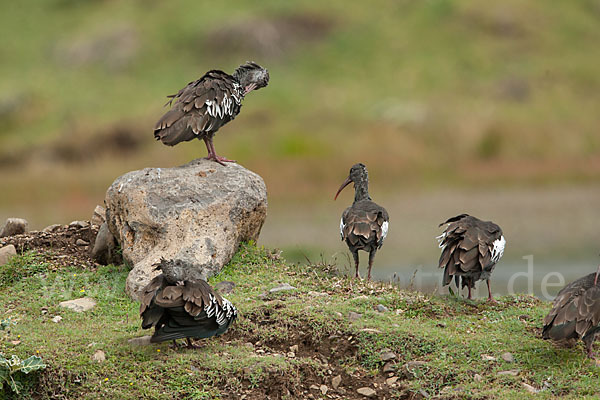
(173, 270)
(358, 174)
(251, 76)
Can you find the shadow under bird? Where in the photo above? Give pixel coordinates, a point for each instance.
(470, 250)
(576, 313)
(205, 105)
(364, 225)
(180, 306)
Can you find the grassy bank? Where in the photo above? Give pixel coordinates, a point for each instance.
(445, 347)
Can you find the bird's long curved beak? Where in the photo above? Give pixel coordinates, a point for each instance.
(597, 274)
(346, 183)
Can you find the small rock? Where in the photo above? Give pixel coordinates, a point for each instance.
(225, 287)
(57, 319)
(339, 314)
(478, 378)
(367, 392)
(381, 308)
(52, 228)
(294, 348)
(314, 387)
(99, 356)
(317, 294)
(415, 364)
(105, 247)
(79, 305)
(99, 216)
(335, 381)
(14, 226)
(510, 372)
(486, 357)
(391, 381)
(323, 389)
(529, 388)
(354, 316)
(389, 367)
(291, 354)
(79, 224)
(81, 242)
(508, 357)
(249, 345)
(140, 341)
(387, 356)
(6, 253)
(15, 342)
(281, 288)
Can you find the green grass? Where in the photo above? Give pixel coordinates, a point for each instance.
(449, 335)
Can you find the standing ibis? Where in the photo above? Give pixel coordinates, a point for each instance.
(576, 312)
(179, 306)
(204, 105)
(470, 250)
(364, 225)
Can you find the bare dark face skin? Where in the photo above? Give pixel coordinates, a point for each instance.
(358, 173)
(251, 76)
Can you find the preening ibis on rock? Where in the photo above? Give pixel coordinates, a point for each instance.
(576, 312)
(206, 104)
(470, 250)
(364, 225)
(180, 307)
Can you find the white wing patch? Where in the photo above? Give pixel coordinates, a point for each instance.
(384, 230)
(342, 227)
(498, 249)
(222, 315)
(440, 240)
(226, 107)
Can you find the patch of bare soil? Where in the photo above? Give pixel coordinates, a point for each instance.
(62, 246)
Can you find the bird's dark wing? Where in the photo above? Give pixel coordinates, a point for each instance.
(576, 309)
(469, 246)
(364, 222)
(203, 106)
(149, 311)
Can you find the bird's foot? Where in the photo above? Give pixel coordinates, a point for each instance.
(192, 345)
(491, 300)
(219, 159)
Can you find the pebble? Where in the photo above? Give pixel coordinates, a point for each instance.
(57, 319)
(6, 253)
(323, 389)
(529, 388)
(387, 355)
(282, 288)
(389, 367)
(381, 308)
(14, 226)
(79, 305)
(81, 242)
(366, 391)
(354, 316)
(510, 372)
(478, 378)
(79, 224)
(99, 356)
(391, 381)
(508, 357)
(52, 228)
(99, 216)
(335, 381)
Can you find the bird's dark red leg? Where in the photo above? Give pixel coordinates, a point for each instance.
(371, 258)
(490, 297)
(212, 154)
(355, 255)
(469, 296)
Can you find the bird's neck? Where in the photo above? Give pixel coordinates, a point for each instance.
(361, 191)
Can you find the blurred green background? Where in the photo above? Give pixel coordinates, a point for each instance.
(490, 108)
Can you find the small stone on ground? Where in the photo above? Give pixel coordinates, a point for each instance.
(57, 319)
(140, 341)
(14, 226)
(6, 253)
(367, 392)
(508, 357)
(282, 287)
(79, 305)
(354, 316)
(381, 308)
(99, 356)
(335, 381)
(511, 372)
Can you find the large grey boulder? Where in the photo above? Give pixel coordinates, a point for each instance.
(198, 213)
(14, 226)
